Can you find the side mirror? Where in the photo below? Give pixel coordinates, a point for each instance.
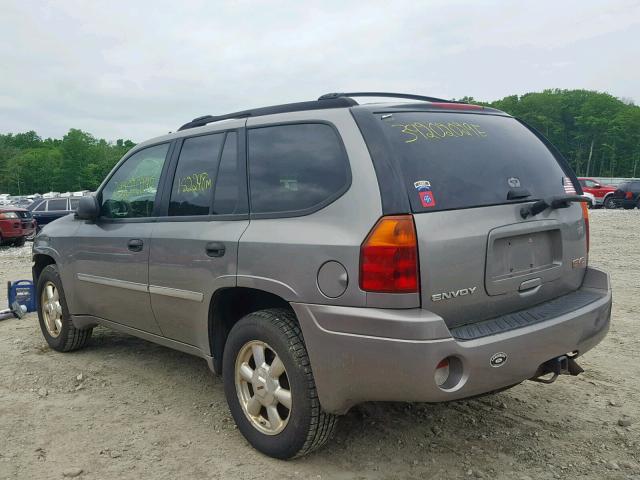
(88, 208)
(597, 185)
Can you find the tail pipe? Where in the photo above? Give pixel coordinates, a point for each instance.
(562, 365)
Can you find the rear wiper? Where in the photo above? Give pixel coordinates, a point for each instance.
(519, 192)
(560, 201)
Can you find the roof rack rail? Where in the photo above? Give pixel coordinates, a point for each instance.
(336, 102)
(329, 96)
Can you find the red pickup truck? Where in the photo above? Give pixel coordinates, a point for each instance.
(601, 193)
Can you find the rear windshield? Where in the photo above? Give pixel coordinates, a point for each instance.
(460, 160)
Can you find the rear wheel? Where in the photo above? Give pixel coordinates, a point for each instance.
(53, 314)
(270, 388)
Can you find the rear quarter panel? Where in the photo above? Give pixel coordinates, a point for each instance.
(283, 255)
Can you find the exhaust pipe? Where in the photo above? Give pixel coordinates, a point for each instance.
(562, 365)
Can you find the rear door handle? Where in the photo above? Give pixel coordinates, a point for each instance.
(215, 249)
(135, 245)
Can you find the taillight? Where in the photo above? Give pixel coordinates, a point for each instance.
(389, 257)
(628, 195)
(585, 217)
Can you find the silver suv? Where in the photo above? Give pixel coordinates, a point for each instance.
(327, 253)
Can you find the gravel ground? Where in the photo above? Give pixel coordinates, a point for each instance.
(125, 408)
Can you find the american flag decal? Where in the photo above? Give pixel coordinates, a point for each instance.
(568, 186)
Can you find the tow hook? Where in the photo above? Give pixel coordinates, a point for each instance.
(562, 365)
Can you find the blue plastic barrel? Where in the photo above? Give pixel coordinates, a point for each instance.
(23, 292)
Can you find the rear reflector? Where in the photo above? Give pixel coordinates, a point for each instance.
(585, 216)
(442, 372)
(389, 257)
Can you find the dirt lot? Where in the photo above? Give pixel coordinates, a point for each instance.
(126, 408)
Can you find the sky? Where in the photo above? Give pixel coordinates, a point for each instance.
(139, 69)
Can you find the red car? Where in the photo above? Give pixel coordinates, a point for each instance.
(16, 225)
(601, 193)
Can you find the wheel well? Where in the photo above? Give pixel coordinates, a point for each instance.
(41, 261)
(227, 307)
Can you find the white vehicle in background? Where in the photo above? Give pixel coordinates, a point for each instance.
(591, 197)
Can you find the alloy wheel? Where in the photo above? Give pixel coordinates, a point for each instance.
(263, 387)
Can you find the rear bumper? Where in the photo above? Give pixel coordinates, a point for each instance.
(363, 354)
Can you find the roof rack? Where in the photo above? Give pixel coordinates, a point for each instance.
(328, 100)
(336, 102)
(330, 96)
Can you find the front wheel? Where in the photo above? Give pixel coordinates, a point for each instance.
(55, 322)
(270, 387)
(610, 203)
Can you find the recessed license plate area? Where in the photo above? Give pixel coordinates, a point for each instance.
(517, 253)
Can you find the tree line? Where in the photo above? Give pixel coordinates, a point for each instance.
(598, 133)
(78, 161)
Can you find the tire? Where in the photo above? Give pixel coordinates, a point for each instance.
(306, 427)
(55, 321)
(609, 203)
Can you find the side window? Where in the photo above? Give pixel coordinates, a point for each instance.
(73, 203)
(227, 192)
(583, 183)
(131, 191)
(41, 208)
(195, 177)
(590, 183)
(57, 205)
(295, 167)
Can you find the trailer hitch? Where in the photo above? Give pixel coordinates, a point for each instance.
(562, 365)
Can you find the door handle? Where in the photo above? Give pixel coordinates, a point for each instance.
(215, 249)
(135, 245)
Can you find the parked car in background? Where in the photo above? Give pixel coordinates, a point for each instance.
(16, 225)
(601, 193)
(627, 195)
(46, 210)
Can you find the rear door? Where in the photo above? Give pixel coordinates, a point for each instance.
(194, 246)
(467, 176)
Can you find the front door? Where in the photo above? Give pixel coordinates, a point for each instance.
(112, 254)
(194, 247)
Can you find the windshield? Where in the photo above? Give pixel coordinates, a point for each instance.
(462, 160)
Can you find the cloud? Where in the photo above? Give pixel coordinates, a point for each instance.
(139, 69)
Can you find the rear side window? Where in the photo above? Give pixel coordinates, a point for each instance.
(296, 167)
(73, 203)
(458, 160)
(57, 205)
(193, 183)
